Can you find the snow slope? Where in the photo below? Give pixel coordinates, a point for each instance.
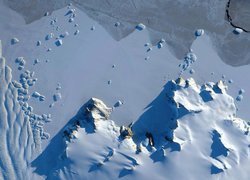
(127, 75)
(17, 143)
(202, 138)
(77, 58)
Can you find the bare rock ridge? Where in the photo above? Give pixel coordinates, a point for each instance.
(16, 138)
(174, 21)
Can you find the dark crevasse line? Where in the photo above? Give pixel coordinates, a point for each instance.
(230, 20)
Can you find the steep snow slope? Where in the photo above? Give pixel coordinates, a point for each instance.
(202, 138)
(122, 63)
(17, 143)
(83, 73)
(127, 76)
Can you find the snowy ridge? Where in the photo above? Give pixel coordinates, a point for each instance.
(92, 116)
(188, 131)
(203, 129)
(16, 138)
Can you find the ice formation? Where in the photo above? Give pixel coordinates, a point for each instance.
(200, 119)
(14, 41)
(49, 36)
(71, 20)
(189, 59)
(38, 43)
(65, 34)
(21, 61)
(118, 103)
(117, 24)
(238, 31)
(18, 141)
(59, 42)
(36, 61)
(92, 28)
(199, 32)
(57, 96)
(192, 71)
(241, 91)
(188, 118)
(140, 27)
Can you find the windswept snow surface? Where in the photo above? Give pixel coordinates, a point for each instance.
(201, 137)
(17, 143)
(188, 131)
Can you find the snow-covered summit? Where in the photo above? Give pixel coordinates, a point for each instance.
(202, 134)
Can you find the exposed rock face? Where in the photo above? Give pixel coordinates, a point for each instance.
(92, 113)
(96, 111)
(17, 145)
(126, 132)
(183, 98)
(192, 124)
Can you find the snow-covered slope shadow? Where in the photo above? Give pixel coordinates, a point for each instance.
(47, 160)
(92, 146)
(160, 110)
(218, 149)
(159, 120)
(17, 145)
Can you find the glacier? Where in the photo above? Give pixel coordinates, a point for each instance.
(89, 90)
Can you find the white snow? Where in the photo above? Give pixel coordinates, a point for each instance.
(17, 141)
(49, 36)
(207, 134)
(193, 123)
(140, 27)
(57, 96)
(241, 91)
(59, 42)
(199, 32)
(39, 43)
(238, 30)
(14, 41)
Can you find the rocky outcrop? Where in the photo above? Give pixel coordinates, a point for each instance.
(96, 111)
(126, 132)
(91, 115)
(199, 119)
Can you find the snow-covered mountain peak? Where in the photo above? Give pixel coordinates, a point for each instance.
(97, 110)
(203, 121)
(124, 53)
(196, 98)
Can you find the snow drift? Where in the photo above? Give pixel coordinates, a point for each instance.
(17, 143)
